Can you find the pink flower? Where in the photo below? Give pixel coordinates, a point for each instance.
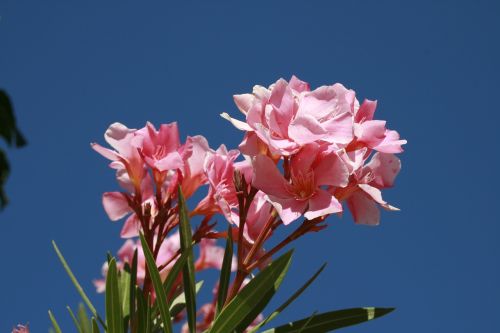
(193, 153)
(372, 133)
(117, 206)
(313, 168)
(211, 256)
(159, 148)
(363, 194)
(21, 329)
(287, 115)
(219, 169)
(126, 159)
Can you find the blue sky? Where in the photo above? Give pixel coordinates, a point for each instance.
(74, 68)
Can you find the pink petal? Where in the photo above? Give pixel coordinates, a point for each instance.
(306, 129)
(331, 170)
(391, 143)
(116, 205)
(384, 168)
(171, 161)
(303, 160)
(298, 85)
(366, 111)
(267, 178)
(244, 102)
(107, 153)
(322, 203)
(340, 128)
(371, 132)
(364, 210)
(130, 227)
(376, 195)
(242, 126)
(288, 209)
(116, 135)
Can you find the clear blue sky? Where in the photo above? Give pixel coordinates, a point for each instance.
(73, 68)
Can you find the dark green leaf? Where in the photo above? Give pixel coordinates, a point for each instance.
(289, 300)
(225, 272)
(114, 315)
(188, 275)
(329, 321)
(249, 301)
(75, 321)
(142, 317)
(55, 325)
(161, 295)
(77, 285)
(95, 328)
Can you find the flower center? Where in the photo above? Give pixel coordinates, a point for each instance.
(302, 185)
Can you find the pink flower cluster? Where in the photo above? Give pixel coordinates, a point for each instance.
(305, 153)
(21, 329)
(325, 139)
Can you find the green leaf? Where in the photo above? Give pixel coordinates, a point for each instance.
(95, 328)
(289, 300)
(114, 316)
(179, 303)
(252, 299)
(55, 325)
(329, 321)
(149, 323)
(188, 275)
(84, 320)
(75, 321)
(77, 285)
(124, 288)
(142, 317)
(225, 272)
(161, 295)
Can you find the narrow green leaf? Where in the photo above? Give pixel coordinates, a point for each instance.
(124, 288)
(55, 325)
(225, 272)
(249, 301)
(84, 320)
(161, 296)
(95, 328)
(75, 321)
(188, 275)
(149, 323)
(307, 322)
(179, 303)
(142, 317)
(289, 300)
(114, 316)
(77, 285)
(329, 321)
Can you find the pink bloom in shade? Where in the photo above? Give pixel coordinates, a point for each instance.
(193, 153)
(126, 159)
(211, 256)
(168, 250)
(313, 168)
(363, 194)
(159, 148)
(287, 115)
(21, 329)
(373, 133)
(221, 197)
